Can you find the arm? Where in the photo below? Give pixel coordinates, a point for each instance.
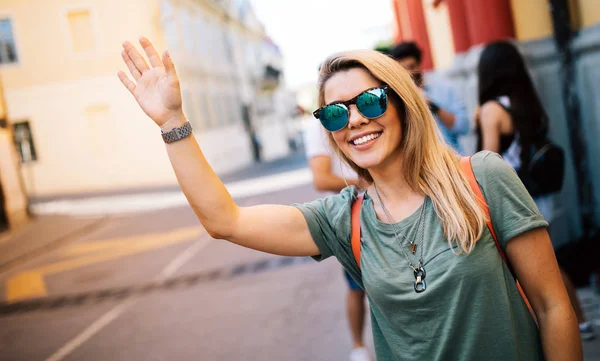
(323, 177)
(452, 113)
(489, 120)
(156, 89)
(534, 263)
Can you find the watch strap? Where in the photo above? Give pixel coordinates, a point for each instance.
(176, 134)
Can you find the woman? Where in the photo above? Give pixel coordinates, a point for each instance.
(418, 197)
(511, 119)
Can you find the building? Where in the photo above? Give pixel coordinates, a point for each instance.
(453, 32)
(79, 131)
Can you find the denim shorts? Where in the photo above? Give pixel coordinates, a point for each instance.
(352, 283)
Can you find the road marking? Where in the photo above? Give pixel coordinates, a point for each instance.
(30, 283)
(118, 310)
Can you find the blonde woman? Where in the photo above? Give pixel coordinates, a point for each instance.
(419, 216)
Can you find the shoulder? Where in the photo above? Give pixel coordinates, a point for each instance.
(330, 215)
(493, 172)
(490, 162)
(492, 113)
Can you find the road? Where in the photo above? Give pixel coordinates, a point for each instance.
(155, 286)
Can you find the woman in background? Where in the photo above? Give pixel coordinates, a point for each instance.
(509, 121)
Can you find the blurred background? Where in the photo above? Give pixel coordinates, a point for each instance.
(100, 257)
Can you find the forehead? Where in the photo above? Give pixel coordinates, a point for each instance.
(347, 84)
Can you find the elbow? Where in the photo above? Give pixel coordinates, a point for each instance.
(220, 227)
(215, 234)
(320, 184)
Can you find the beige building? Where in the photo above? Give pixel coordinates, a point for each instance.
(77, 128)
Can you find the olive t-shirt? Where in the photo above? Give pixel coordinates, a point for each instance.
(471, 308)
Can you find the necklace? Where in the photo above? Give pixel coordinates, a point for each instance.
(419, 270)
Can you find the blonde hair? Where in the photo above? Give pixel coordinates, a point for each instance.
(429, 165)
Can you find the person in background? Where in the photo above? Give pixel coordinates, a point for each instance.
(331, 174)
(510, 119)
(447, 107)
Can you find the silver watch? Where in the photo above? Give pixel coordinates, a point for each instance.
(176, 134)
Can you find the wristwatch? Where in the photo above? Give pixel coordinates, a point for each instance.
(176, 134)
(434, 108)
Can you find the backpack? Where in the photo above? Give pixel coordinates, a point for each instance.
(467, 169)
(546, 167)
(545, 171)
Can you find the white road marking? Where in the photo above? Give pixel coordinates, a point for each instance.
(121, 204)
(121, 308)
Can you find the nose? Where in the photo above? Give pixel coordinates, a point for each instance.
(355, 119)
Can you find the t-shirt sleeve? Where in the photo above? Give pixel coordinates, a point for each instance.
(315, 140)
(512, 209)
(328, 220)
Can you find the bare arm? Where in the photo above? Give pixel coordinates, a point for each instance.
(323, 177)
(490, 118)
(447, 118)
(269, 228)
(534, 262)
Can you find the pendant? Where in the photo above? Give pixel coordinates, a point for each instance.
(413, 248)
(420, 284)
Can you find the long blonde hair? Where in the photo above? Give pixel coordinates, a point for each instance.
(429, 165)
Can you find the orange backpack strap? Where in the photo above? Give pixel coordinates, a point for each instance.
(467, 168)
(355, 230)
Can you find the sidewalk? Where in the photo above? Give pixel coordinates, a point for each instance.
(57, 221)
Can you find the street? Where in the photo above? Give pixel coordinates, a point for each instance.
(154, 286)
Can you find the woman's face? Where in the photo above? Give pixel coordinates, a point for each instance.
(385, 131)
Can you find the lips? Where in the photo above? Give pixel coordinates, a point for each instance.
(364, 138)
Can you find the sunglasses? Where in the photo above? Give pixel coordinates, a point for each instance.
(371, 104)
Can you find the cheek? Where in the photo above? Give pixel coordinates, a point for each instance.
(339, 138)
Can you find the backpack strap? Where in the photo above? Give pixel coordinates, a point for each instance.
(467, 168)
(355, 230)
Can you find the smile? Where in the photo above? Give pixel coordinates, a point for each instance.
(364, 139)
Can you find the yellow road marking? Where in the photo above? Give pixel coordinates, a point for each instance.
(25, 285)
(118, 243)
(30, 283)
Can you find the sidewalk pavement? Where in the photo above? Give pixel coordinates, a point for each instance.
(58, 220)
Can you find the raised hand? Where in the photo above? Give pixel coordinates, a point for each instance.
(155, 87)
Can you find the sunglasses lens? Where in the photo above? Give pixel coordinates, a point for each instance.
(373, 103)
(334, 117)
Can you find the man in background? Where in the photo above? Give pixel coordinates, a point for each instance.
(447, 107)
(331, 174)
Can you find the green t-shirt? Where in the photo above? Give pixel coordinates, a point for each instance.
(471, 309)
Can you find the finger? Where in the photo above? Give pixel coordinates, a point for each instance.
(125, 80)
(152, 54)
(136, 57)
(169, 66)
(131, 66)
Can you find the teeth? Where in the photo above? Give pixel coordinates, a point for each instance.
(365, 139)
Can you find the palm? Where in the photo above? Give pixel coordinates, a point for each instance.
(157, 93)
(155, 87)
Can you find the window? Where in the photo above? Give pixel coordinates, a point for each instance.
(81, 31)
(8, 50)
(24, 142)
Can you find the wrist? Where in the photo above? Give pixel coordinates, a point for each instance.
(175, 121)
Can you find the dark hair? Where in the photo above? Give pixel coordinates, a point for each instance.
(502, 72)
(405, 50)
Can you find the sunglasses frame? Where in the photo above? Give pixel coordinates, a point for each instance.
(347, 103)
